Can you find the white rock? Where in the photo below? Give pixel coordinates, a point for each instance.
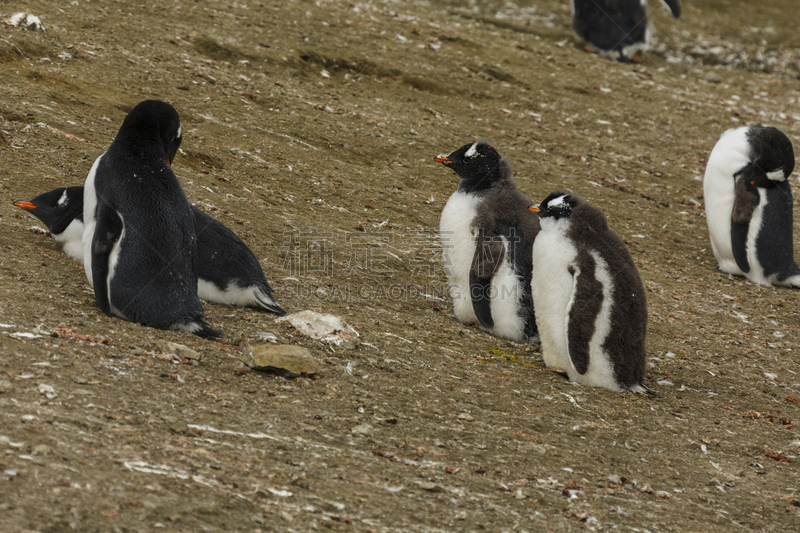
(327, 328)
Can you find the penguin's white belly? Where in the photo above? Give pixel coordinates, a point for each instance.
(552, 288)
(89, 221)
(554, 292)
(730, 154)
(72, 239)
(232, 295)
(506, 293)
(458, 250)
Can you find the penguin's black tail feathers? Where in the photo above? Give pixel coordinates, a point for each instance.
(200, 328)
(207, 332)
(643, 389)
(265, 300)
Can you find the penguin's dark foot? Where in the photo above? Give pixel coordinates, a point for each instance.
(534, 340)
(560, 371)
(638, 56)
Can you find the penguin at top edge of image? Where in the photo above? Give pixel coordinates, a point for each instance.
(616, 29)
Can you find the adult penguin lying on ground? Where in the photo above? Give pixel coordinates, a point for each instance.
(487, 235)
(227, 270)
(140, 249)
(590, 301)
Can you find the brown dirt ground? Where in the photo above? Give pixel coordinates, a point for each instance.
(308, 122)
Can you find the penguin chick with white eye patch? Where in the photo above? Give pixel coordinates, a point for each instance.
(227, 271)
(140, 249)
(590, 301)
(487, 236)
(749, 205)
(61, 210)
(616, 29)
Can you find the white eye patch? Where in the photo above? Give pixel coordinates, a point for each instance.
(556, 202)
(776, 175)
(472, 152)
(63, 200)
(179, 132)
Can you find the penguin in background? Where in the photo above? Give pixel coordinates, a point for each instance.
(140, 249)
(61, 210)
(749, 205)
(227, 270)
(616, 29)
(590, 301)
(487, 237)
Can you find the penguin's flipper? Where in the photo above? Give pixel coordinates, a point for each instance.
(108, 231)
(745, 201)
(674, 6)
(489, 253)
(739, 232)
(582, 311)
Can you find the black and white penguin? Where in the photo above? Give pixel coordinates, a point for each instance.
(227, 270)
(749, 205)
(140, 249)
(487, 235)
(61, 210)
(617, 29)
(590, 301)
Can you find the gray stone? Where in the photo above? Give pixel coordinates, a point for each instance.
(294, 360)
(182, 351)
(712, 77)
(362, 430)
(431, 487)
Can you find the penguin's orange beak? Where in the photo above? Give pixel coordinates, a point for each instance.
(442, 159)
(24, 204)
(534, 208)
(169, 163)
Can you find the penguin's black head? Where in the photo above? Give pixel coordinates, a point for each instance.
(772, 156)
(56, 208)
(557, 205)
(478, 165)
(153, 121)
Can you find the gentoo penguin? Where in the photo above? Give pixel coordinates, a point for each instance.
(749, 205)
(616, 29)
(487, 235)
(140, 249)
(61, 210)
(227, 271)
(590, 301)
